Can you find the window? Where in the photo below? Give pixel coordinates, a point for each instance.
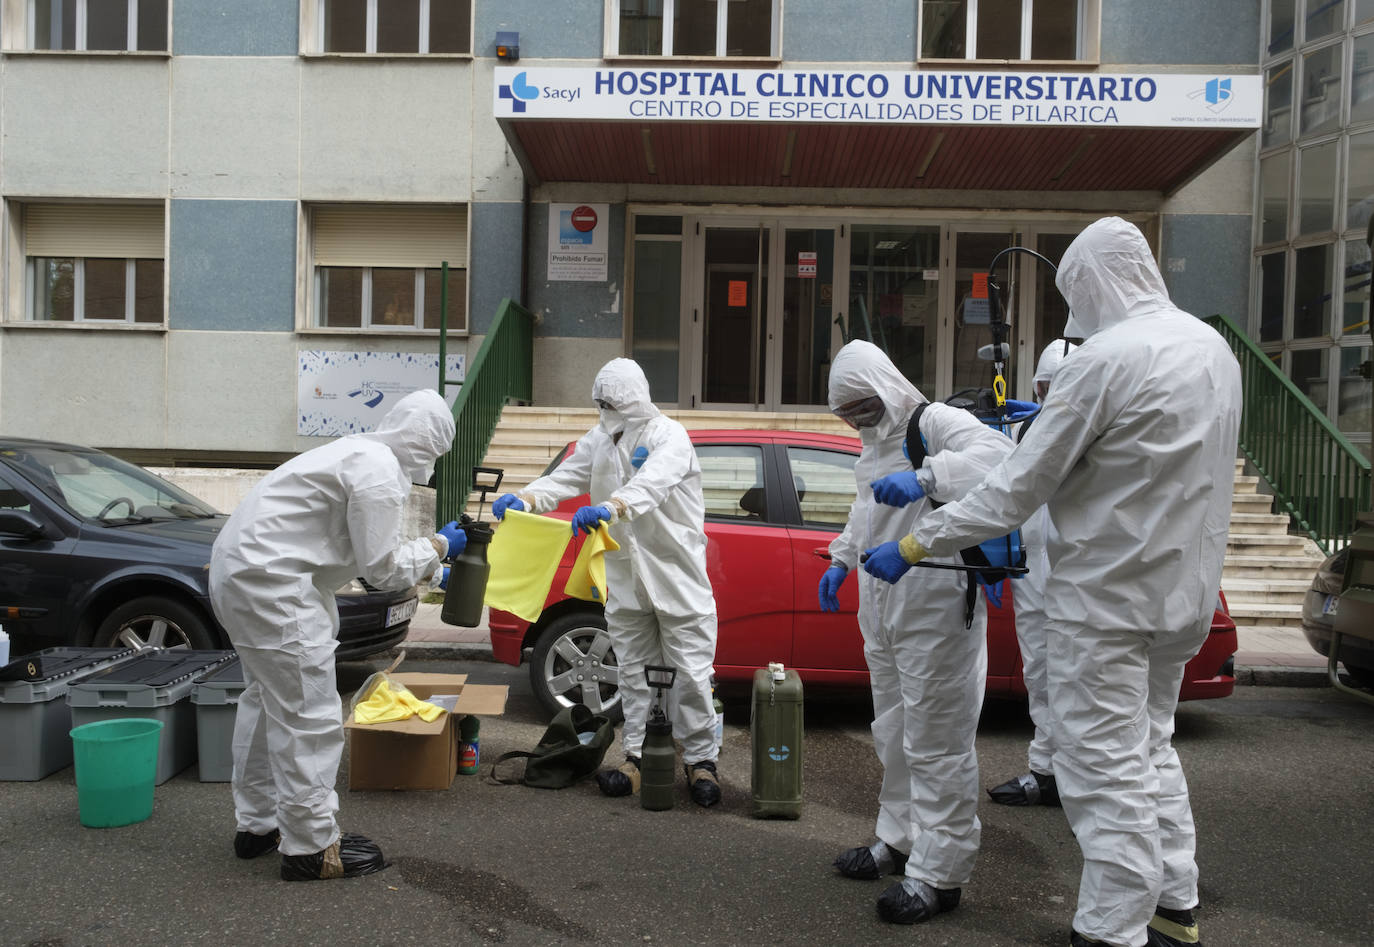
(380, 267)
(80, 25)
(732, 481)
(824, 481)
(389, 27)
(655, 342)
(93, 263)
(1004, 29)
(699, 28)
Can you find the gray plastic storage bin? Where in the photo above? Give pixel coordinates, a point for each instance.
(216, 696)
(153, 685)
(34, 717)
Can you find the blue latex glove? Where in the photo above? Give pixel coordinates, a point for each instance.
(587, 518)
(506, 502)
(829, 588)
(443, 581)
(640, 455)
(898, 489)
(993, 590)
(457, 539)
(885, 562)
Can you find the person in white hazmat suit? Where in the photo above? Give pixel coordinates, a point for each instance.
(1036, 787)
(1134, 454)
(320, 520)
(642, 474)
(927, 657)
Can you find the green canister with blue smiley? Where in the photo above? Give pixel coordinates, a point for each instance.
(775, 727)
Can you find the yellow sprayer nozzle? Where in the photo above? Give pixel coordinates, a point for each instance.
(999, 389)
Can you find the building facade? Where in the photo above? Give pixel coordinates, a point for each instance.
(1314, 195)
(199, 197)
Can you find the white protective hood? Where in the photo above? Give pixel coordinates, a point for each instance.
(1107, 275)
(621, 384)
(861, 370)
(1050, 358)
(419, 429)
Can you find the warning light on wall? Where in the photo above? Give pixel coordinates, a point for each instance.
(507, 46)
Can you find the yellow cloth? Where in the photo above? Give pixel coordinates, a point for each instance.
(588, 578)
(384, 705)
(524, 555)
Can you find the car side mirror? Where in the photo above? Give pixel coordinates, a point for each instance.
(20, 523)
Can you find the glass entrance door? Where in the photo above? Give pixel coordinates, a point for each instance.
(734, 313)
(973, 251)
(766, 305)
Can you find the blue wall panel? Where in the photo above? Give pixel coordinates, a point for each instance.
(1214, 253)
(240, 28)
(233, 265)
(1180, 31)
(570, 29)
(575, 309)
(493, 261)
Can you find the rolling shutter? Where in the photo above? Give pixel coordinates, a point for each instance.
(390, 236)
(119, 231)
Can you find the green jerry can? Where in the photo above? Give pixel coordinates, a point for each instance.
(775, 728)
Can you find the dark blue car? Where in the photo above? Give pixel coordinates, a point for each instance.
(95, 551)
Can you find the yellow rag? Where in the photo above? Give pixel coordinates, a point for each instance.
(588, 578)
(524, 555)
(385, 705)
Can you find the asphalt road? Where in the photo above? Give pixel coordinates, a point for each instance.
(1281, 781)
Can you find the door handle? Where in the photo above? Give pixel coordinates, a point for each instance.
(821, 552)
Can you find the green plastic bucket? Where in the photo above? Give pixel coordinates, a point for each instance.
(116, 767)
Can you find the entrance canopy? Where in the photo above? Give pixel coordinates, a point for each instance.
(917, 129)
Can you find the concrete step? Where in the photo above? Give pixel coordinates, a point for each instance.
(1262, 501)
(1259, 523)
(1266, 589)
(1246, 484)
(1251, 544)
(1265, 613)
(1268, 567)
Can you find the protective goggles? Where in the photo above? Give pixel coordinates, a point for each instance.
(865, 412)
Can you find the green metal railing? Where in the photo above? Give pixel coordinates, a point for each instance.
(1318, 477)
(502, 371)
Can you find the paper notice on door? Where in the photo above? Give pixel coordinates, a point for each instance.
(738, 293)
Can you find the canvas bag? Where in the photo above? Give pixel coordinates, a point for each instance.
(562, 757)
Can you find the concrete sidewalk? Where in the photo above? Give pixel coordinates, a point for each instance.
(1267, 655)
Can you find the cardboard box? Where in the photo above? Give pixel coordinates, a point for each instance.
(413, 754)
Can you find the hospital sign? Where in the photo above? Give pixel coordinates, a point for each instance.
(1164, 100)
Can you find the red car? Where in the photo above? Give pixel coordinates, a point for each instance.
(774, 501)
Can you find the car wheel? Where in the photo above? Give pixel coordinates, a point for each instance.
(575, 664)
(155, 622)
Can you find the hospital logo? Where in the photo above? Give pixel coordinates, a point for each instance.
(370, 395)
(1216, 93)
(519, 92)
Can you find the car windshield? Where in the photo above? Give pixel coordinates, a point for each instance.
(98, 486)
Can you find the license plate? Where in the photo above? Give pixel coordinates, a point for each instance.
(1331, 604)
(403, 612)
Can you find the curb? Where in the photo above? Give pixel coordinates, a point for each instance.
(442, 651)
(1272, 676)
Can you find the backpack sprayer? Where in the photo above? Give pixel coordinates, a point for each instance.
(1003, 557)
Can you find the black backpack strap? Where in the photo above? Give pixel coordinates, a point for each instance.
(915, 447)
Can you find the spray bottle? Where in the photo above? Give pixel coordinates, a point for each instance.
(658, 760)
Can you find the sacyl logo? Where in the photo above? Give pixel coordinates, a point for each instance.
(779, 753)
(1216, 93)
(519, 92)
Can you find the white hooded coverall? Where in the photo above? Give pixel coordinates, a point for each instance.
(318, 521)
(928, 670)
(659, 604)
(1028, 597)
(1134, 451)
